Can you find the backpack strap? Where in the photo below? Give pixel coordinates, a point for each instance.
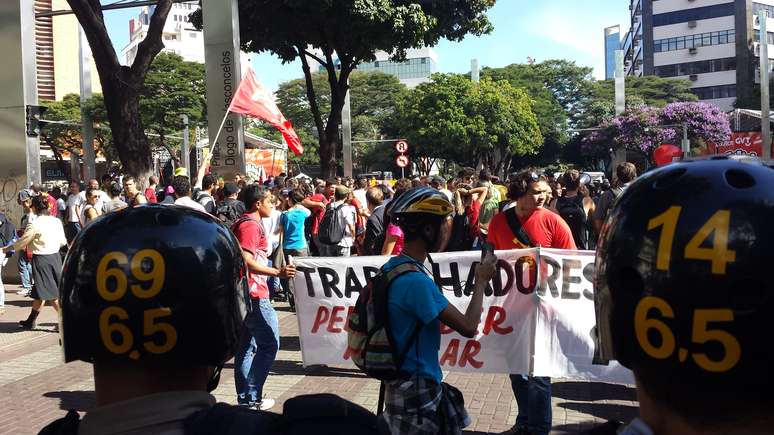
(391, 275)
(516, 228)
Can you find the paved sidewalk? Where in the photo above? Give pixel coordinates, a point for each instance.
(37, 387)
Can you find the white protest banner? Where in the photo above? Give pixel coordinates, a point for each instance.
(542, 329)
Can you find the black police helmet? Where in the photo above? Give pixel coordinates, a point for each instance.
(683, 290)
(153, 284)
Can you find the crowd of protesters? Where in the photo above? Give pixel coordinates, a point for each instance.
(283, 217)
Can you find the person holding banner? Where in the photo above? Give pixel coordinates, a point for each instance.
(529, 224)
(684, 296)
(420, 403)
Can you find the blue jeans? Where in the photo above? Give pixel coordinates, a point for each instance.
(533, 397)
(25, 270)
(258, 346)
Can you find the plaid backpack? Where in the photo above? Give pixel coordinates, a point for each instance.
(370, 338)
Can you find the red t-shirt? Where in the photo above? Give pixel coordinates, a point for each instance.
(318, 213)
(150, 195)
(252, 238)
(544, 228)
(473, 212)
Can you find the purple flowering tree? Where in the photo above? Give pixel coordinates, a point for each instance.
(706, 122)
(642, 128)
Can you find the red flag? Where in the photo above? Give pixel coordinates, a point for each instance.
(252, 99)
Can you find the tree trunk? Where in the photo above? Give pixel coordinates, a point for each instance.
(123, 108)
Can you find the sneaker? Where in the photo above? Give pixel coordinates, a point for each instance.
(516, 430)
(264, 405)
(24, 292)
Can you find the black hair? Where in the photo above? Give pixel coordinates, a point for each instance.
(40, 205)
(297, 196)
(182, 186)
(115, 189)
(208, 181)
(253, 194)
(520, 183)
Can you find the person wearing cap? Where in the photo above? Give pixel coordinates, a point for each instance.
(24, 263)
(230, 208)
(683, 297)
(346, 212)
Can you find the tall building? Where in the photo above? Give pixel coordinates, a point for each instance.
(419, 65)
(57, 53)
(712, 43)
(416, 69)
(179, 35)
(612, 43)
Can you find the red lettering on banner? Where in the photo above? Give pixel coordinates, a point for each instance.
(472, 348)
(321, 318)
(494, 318)
(450, 354)
(346, 321)
(335, 319)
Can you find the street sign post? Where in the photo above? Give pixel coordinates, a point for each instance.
(402, 161)
(401, 146)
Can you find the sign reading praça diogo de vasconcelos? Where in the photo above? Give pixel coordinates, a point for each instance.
(222, 66)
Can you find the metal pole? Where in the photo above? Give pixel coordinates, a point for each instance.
(619, 155)
(185, 153)
(29, 86)
(686, 144)
(765, 108)
(87, 126)
(346, 134)
(474, 71)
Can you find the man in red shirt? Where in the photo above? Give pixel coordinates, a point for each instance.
(528, 224)
(259, 342)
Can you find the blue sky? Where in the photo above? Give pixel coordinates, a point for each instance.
(548, 29)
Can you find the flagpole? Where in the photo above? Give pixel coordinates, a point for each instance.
(200, 172)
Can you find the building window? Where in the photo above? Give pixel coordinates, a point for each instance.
(694, 14)
(757, 7)
(699, 67)
(692, 41)
(715, 92)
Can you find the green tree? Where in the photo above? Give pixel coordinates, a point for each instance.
(557, 88)
(469, 123)
(121, 85)
(64, 136)
(173, 87)
(649, 90)
(374, 99)
(351, 30)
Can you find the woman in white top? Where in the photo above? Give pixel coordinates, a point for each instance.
(90, 211)
(44, 237)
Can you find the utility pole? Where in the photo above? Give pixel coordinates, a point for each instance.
(87, 129)
(474, 71)
(764, 56)
(184, 153)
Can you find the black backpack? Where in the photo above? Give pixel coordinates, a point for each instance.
(228, 213)
(573, 212)
(332, 226)
(7, 230)
(461, 238)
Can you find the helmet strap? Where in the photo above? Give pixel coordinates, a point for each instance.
(212, 383)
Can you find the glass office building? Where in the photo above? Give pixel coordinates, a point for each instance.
(612, 43)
